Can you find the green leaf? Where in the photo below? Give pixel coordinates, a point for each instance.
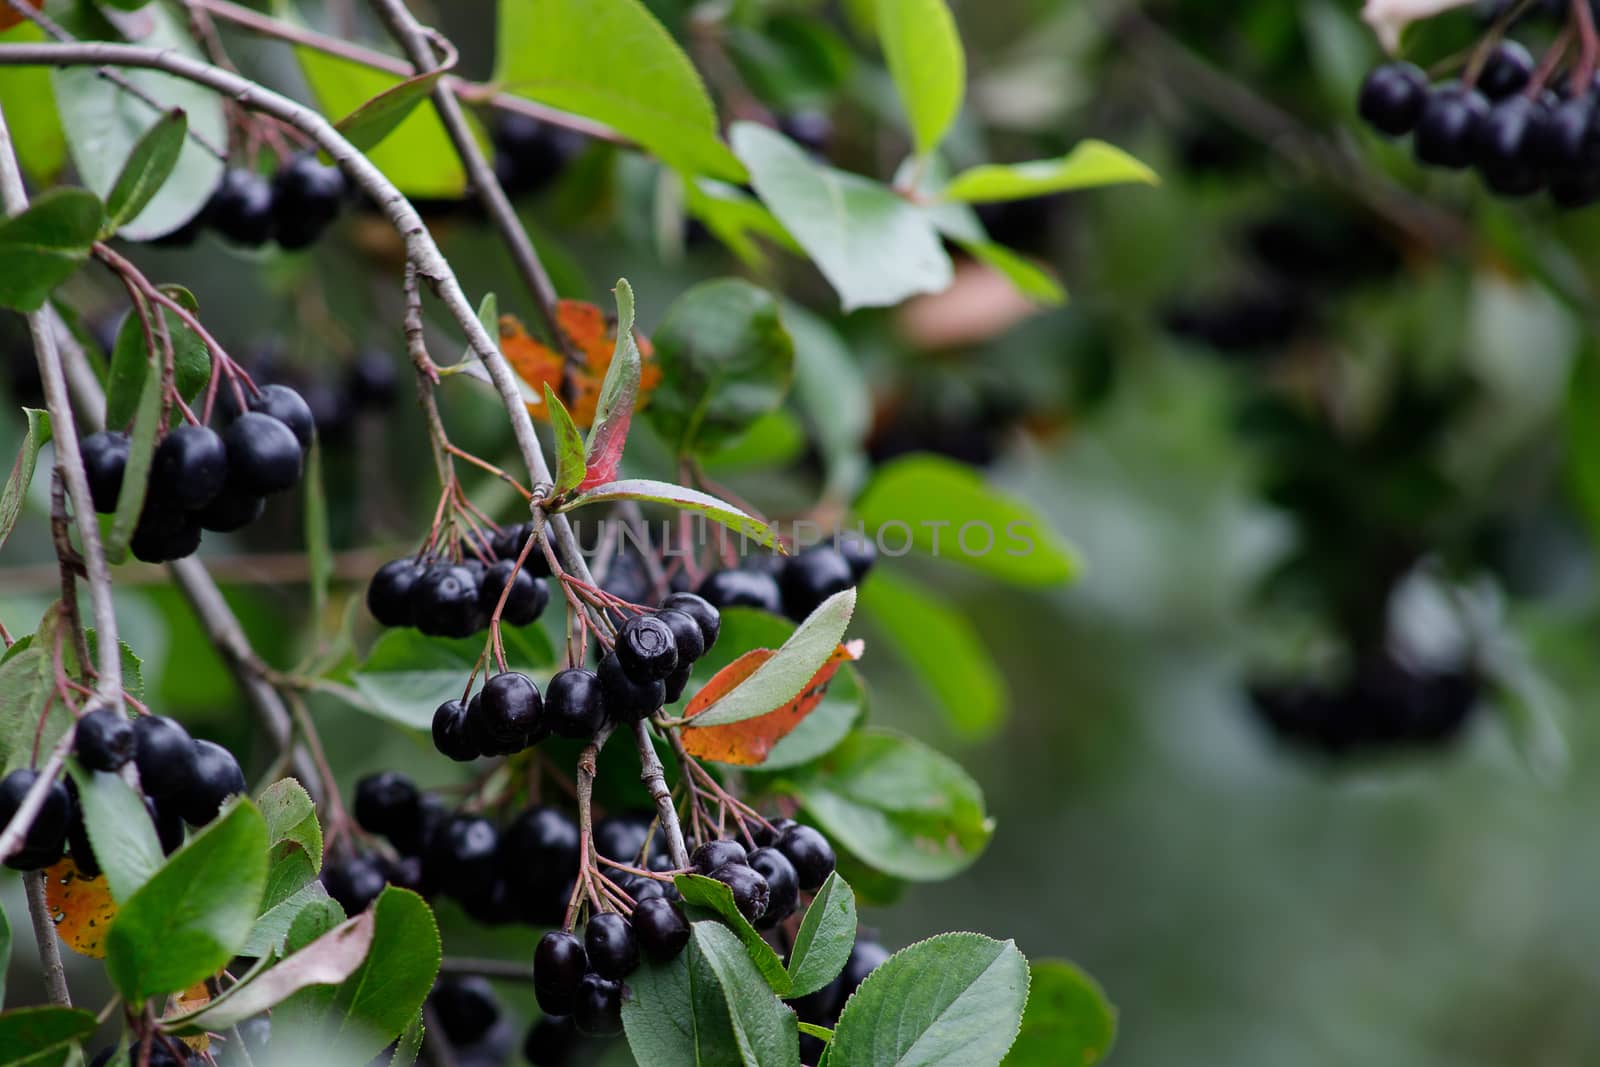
(141, 447)
(1583, 437)
(120, 831)
(26, 682)
(16, 490)
(619, 393)
(319, 552)
(291, 816)
(726, 360)
(407, 676)
(945, 509)
(409, 1047)
(570, 467)
(658, 1015)
(735, 217)
(1068, 1019)
(5, 951)
(190, 918)
(271, 931)
(29, 101)
(923, 48)
(43, 246)
(953, 1000)
(787, 673)
(1089, 164)
(27, 1032)
(611, 61)
(684, 499)
(149, 165)
(370, 124)
(821, 1033)
(375, 1004)
(130, 360)
(289, 870)
(328, 960)
(833, 394)
(943, 649)
(103, 123)
(897, 804)
(826, 936)
(763, 1028)
(710, 895)
(875, 247)
(1031, 280)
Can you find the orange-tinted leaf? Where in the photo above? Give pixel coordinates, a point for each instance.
(81, 907)
(9, 16)
(194, 998)
(748, 742)
(593, 340)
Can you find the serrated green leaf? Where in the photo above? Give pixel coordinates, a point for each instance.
(619, 393)
(826, 936)
(21, 476)
(875, 247)
(763, 1028)
(120, 831)
(130, 361)
(407, 676)
(787, 673)
(271, 930)
(682, 498)
(1068, 1019)
(726, 360)
(945, 509)
(26, 682)
(955, 1000)
(707, 895)
(611, 61)
(923, 48)
(28, 1032)
(190, 918)
(149, 165)
(409, 1047)
(570, 467)
(44, 245)
(658, 1015)
(141, 451)
(897, 804)
(292, 816)
(375, 1004)
(1090, 164)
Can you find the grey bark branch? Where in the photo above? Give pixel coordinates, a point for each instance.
(44, 934)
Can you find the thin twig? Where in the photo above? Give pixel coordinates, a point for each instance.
(44, 934)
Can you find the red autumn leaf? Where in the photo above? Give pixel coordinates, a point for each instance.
(748, 742)
(9, 16)
(593, 341)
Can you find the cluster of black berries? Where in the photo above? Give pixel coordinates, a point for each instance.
(792, 585)
(1383, 705)
(184, 781)
(367, 384)
(204, 480)
(444, 598)
(293, 207)
(767, 881)
(529, 154)
(1519, 138)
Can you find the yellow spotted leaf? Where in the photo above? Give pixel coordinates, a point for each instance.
(593, 338)
(81, 907)
(748, 741)
(192, 999)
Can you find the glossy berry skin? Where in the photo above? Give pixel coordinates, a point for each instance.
(214, 777)
(597, 1009)
(866, 957)
(750, 891)
(1446, 131)
(451, 735)
(263, 453)
(686, 635)
(164, 754)
(611, 945)
(700, 610)
(386, 803)
(354, 882)
(232, 509)
(507, 544)
(626, 700)
(1506, 70)
(168, 824)
(461, 853)
(783, 885)
(241, 208)
(189, 467)
(78, 843)
(742, 589)
(512, 708)
(767, 836)
(661, 928)
(104, 741)
(444, 602)
(164, 534)
(306, 197)
(47, 837)
(105, 458)
(622, 837)
(574, 704)
(526, 601)
(466, 1008)
(559, 964)
(289, 408)
(1560, 140)
(539, 850)
(646, 649)
(389, 592)
(810, 853)
(530, 154)
(1502, 147)
(812, 577)
(677, 682)
(1393, 96)
(713, 854)
(372, 382)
